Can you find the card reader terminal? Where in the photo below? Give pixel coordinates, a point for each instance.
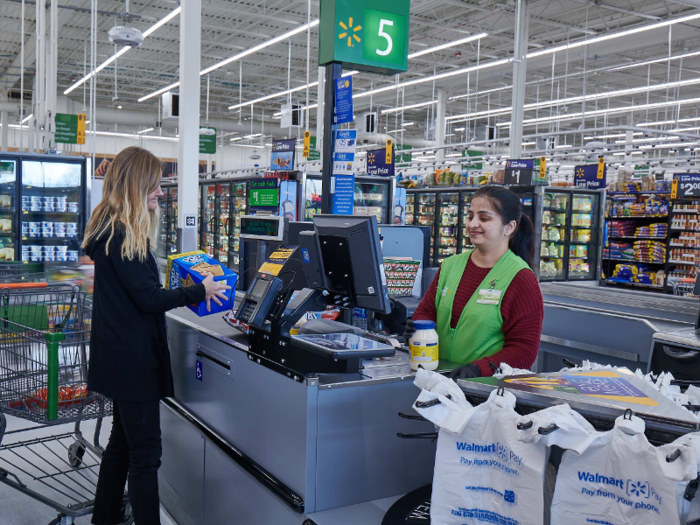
(259, 299)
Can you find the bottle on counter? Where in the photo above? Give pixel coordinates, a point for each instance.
(359, 318)
(423, 346)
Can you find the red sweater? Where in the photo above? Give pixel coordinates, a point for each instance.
(522, 309)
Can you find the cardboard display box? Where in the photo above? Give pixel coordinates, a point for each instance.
(188, 269)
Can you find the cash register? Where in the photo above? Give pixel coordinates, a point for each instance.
(343, 266)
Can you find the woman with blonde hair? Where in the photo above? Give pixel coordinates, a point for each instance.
(129, 356)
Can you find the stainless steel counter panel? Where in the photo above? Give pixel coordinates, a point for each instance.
(607, 326)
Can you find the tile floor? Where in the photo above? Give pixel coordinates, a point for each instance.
(18, 509)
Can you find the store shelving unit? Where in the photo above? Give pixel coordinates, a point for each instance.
(683, 241)
(637, 201)
(239, 206)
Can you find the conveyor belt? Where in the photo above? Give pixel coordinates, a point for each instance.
(660, 308)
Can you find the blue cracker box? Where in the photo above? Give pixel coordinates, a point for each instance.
(188, 269)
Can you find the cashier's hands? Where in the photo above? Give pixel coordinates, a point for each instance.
(215, 290)
(465, 372)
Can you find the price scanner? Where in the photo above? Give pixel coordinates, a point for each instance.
(343, 265)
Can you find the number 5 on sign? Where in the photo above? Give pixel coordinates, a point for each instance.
(383, 34)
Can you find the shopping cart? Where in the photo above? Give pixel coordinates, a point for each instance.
(44, 350)
(683, 287)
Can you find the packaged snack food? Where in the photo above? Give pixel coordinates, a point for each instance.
(188, 269)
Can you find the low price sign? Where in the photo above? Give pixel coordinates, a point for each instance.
(519, 172)
(591, 176)
(685, 185)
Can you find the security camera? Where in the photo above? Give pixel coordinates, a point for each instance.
(498, 157)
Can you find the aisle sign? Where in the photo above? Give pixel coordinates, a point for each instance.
(377, 164)
(589, 176)
(519, 172)
(307, 144)
(207, 141)
(600, 174)
(314, 154)
(344, 110)
(66, 128)
(82, 121)
(685, 185)
(263, 195)
(369, 35)
(343, 191)
(389, 155)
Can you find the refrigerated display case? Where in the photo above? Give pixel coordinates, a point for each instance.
(448, 225)
(239, 193)
(571, 241)
(52, 193)
(410, 207)
(373, 196)
(167, 235)
(216, 206)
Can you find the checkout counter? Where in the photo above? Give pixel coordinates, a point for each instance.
(272, 428)
(275, 428)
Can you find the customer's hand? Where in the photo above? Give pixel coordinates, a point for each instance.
(408, 332)
(215, 290)
(465, 372)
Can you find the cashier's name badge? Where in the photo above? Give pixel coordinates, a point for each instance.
(489, 296)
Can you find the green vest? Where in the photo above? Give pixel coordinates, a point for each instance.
(479, 332)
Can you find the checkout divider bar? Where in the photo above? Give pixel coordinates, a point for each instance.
(274, 485)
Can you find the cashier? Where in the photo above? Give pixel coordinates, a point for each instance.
(486, 303)
(129, 357)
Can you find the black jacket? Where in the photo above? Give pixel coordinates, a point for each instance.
(129, 356)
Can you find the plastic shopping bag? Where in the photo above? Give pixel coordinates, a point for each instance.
(442, 402)
(688, 497)
(621, 479)
(485, 474)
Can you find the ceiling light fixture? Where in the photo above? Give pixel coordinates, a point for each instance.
(448, 45)
(239, 56)
(412, 106)
(406, 124)
(123, 50)
(26, 119)
(611, 36)
(145, 130)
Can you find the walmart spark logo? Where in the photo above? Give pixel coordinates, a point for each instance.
(346, 33)
(639, 489)
(370, 158)
(579, 173)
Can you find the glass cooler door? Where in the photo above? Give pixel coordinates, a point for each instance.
(554, 240)
(162, 248)
(209, 219)
(466, 243)
(51, 204)
(448, 225)
(372, 198)
(8, 209)
(238, 208)
(583, 239)
(410, 207)
(171, 247)
(425, 216)
(223, 216)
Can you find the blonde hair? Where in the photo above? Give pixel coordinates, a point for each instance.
(132, 176)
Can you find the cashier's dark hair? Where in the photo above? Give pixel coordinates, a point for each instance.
(507, 205)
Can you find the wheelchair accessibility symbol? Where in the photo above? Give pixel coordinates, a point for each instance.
(199, 370)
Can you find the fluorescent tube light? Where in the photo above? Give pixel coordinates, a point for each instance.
(26, 119)
(145, 130)
(234, 58)
(248, 146)
(406, 124)
(412, 106)
(448, 45)
(611, 36)
(656, 61)
(252, 136)
(563, 146)
(123, 50)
